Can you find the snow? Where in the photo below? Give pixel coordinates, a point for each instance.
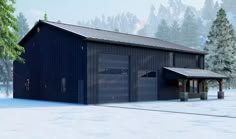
(27, 119)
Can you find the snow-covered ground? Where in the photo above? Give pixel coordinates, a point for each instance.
(27, 119)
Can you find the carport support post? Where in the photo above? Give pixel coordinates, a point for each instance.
(220, 93)
(203, 90)
(184, 93)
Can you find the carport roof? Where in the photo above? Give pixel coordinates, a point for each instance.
(194, 73)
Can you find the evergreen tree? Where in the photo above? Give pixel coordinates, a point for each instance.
(189, 30)
(142, 32)
(125, 22)
(6, 73)
(9, 49)
(216, 8)
(22, 25)
(175, 35)
(163, 31)
(152, 23)
(116, 30)
(208, 11)
(221, 46)
(45, 17)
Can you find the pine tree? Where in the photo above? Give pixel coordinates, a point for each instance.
(163, 31)
(22, 25)
(216, 8)
(175, 35)
(189, 30)
(220, 46)
(116, 30)
(208, 10)
(150, 27)
(45, 17)
(142, 32)
(9, 49)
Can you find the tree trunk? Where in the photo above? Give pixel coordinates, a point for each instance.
(6, 63)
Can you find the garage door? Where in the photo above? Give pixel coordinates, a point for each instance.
(147, 85)
(113, 78)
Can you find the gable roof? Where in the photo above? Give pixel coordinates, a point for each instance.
(93, 34)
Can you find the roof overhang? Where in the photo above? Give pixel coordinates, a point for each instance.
(186, 73)
(144, 46)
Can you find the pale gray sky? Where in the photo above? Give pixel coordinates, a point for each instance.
(71, 11)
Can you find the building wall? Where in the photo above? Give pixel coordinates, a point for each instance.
(53, 64)
(61, 66)
(140, 59)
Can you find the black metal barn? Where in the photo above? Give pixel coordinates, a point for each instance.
(76, 64)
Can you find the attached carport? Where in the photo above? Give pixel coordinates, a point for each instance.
(193, 81)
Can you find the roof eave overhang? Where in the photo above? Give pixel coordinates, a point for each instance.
(144, 46)
(182, 76)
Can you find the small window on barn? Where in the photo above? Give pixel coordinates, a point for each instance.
(171, 59)
(63, 85)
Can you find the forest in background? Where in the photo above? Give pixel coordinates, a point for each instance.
(175, 22)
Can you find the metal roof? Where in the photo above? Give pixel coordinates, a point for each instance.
(196, 73)
(122, 38)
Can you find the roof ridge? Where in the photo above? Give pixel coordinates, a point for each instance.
(127, 34)
(119, 33)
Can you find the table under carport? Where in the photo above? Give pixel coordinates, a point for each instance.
(194, 81)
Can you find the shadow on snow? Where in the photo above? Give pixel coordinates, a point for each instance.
(25, 103)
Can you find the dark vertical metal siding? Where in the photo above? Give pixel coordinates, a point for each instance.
(22, 72)
(140, 59)
(55, 55)
(185, 60)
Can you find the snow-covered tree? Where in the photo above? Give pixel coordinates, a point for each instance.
(152, 23)
(175, 34)
(189, 29)
(6, 73)
(163, 31)
(208, 10)
(220, 46)
(45, 17)
(216, 7)
(22, 25)
(125, 22)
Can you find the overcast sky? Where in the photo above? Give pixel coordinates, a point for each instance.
(71, 11)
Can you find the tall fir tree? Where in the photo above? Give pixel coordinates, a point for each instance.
(22, 25)
(189, 30)
(216, 8)
(208, 11)
(175, 34)
(142, 32)
(45, 17)
(163, 31)
(9, 49)
(220, 46)
(150, 28)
